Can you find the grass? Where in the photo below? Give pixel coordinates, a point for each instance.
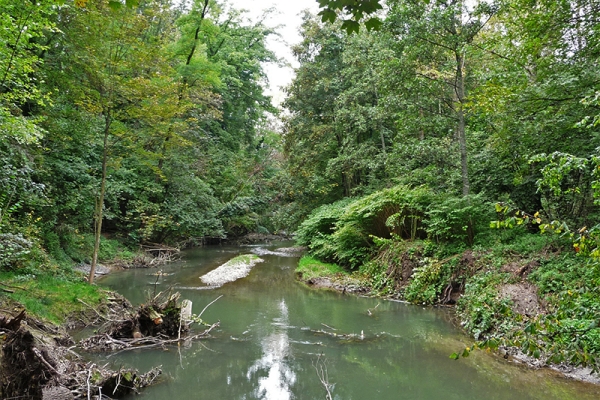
(49, 297)
(309, 268)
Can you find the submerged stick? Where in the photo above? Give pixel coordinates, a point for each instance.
(327, 326)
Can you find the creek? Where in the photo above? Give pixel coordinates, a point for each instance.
(269, 343)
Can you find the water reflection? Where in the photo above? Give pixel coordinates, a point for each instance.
(280, 378)
(269, 340)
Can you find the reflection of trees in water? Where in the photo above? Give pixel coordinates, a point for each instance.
(279, 377)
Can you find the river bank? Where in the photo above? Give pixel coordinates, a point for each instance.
(513, 301)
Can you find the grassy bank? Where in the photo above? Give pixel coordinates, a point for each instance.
(44, 282)
(49, 297)
(310, 268)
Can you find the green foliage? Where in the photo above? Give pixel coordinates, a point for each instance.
(458, 219)
(14, 248)
(348, 232)
(480, 308)
(353, 12)
(429, 280)
(570, 186)
(343, 232)
(321, 222)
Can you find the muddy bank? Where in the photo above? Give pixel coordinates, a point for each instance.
(342, 284)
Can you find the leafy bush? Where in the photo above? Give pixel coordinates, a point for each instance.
(322, 221)
(13, 248)
(345, 232)
(480, 308)
(398, 211)
(428, 281)
(458, 219)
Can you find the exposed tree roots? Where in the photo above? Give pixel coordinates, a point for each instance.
(36, 363)
(37, 360)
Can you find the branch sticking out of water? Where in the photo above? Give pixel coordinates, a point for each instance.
(370, 310)
(320, 366)
(208, 305)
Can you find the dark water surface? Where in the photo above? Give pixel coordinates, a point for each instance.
(267, 347)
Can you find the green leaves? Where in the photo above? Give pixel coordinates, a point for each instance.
(350, 26)
(328, 15)
(117, 5)
(357, 10)
(373, 24)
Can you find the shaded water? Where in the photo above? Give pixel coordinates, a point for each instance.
(267, 346)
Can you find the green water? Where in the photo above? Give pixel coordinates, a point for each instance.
(267, 345)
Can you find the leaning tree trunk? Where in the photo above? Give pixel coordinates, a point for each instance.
(98, 211)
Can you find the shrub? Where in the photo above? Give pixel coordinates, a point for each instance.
(480, 308)
(321, 221)
(428, 281)
(458, 219)
(13, 249)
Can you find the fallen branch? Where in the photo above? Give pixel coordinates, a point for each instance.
(40, 357)
(208, 305)
(12, 287)
(323, 375)
(92, 308)
(327, 326)
(370, 310)
(149, 342)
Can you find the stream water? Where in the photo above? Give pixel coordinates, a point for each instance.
(268, 345)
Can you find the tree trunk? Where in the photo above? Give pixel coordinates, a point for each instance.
(98, 211)
(461, 135)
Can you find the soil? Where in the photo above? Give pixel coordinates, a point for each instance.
(524, 298)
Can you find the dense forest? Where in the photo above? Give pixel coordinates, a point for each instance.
(429, 141)
(144, 122)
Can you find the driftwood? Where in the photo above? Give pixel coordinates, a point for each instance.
(321, 367)
(11, 323)
(107, 343)
(341, 336)
(158, 322)
(36, 363)
(156, 255)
